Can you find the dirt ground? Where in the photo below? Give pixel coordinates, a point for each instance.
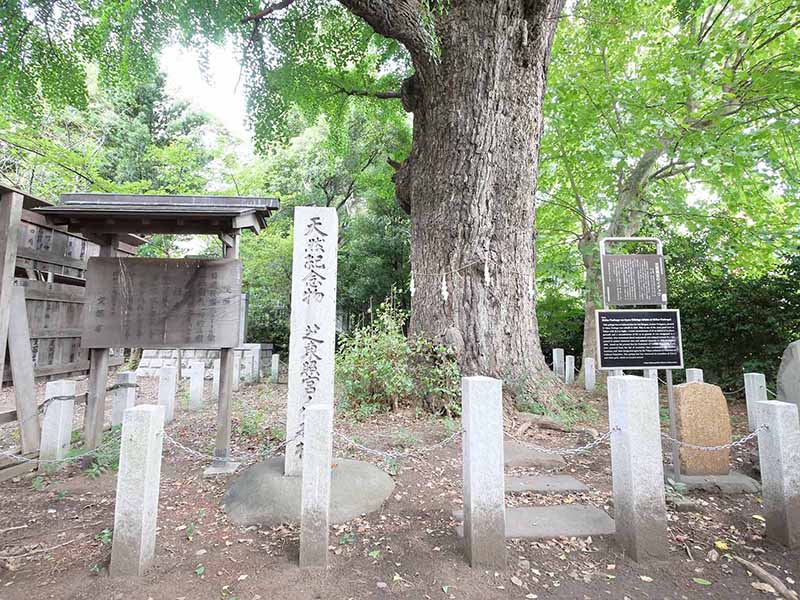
(55, 531)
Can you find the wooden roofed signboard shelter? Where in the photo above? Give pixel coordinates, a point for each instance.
(168, 303)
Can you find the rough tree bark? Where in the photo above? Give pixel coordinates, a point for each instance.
(470, 179)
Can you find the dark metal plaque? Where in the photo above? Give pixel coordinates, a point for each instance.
(639, 339)
(162, 303)
(634, 279)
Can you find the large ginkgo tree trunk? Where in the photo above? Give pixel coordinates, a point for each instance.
(469, 182)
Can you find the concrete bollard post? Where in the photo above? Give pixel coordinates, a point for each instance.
(237, 370)
(316, 486)
(255, 362)
(57, 423)
(197, 374)
(167, 388)
(124, 396)
(275, 368)
(651, 374)
(694, 375)
(215, 378)
(484, 481)
(136, 508)
(640, 511)
(246, 366)
(558, 363)
(755, 390)
(569, 370)
(779, 457)
(589, 374)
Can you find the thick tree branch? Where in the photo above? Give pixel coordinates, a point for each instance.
(401, 20)
(266, 11)
(367, 93)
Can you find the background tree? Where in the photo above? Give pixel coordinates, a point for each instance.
(473, 75)
(686, 110)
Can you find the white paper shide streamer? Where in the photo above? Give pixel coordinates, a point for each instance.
(445, 293)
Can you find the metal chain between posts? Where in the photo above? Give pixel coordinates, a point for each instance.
(740, 442)
(239, 458)
(566, 451)
(23, 459)
(395, 455)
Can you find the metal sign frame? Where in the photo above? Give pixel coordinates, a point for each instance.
(676, 462)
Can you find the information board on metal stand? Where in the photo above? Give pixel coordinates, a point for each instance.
(639, 339)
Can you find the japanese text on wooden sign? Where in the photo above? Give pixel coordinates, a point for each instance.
(639, 339)
(162, 303)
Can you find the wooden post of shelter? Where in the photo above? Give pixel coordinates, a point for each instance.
(10, 215)
(19, 348)
(222, 451)
(98, 377)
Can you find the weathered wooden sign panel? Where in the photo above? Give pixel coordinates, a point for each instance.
(162, 303)
(634, 279)
(639, 339)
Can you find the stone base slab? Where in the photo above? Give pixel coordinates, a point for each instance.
(262, 495)
(548, 522)
(517, 455)
(226, 468)
(553, 484)
(730, 484)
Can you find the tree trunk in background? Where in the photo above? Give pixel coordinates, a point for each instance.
(470, 182)
(593, 299)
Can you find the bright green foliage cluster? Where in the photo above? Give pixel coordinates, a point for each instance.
(378, 366)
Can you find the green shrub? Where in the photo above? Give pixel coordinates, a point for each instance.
(380, 369)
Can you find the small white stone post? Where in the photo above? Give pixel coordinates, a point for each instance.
(316, 486)
(136, 508)
(779, 457)
(755, 390)
(167, 388)
(124, 396)
(694, 375)
(275, 368)
(640, 511)
(237, 370)
(484, 481)
(215, 378)
(255, 362)
(651, 374)
(246, 362)
(57, 423)
(558, 363)
(569, 370)
(197, 375)
(589, 374)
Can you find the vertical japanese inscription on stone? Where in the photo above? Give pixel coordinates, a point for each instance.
(313, 322)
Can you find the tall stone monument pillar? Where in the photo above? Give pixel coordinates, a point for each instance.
(313, 322)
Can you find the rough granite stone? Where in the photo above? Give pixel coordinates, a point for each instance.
(702, 418)
(261, 495)
(789, 375)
